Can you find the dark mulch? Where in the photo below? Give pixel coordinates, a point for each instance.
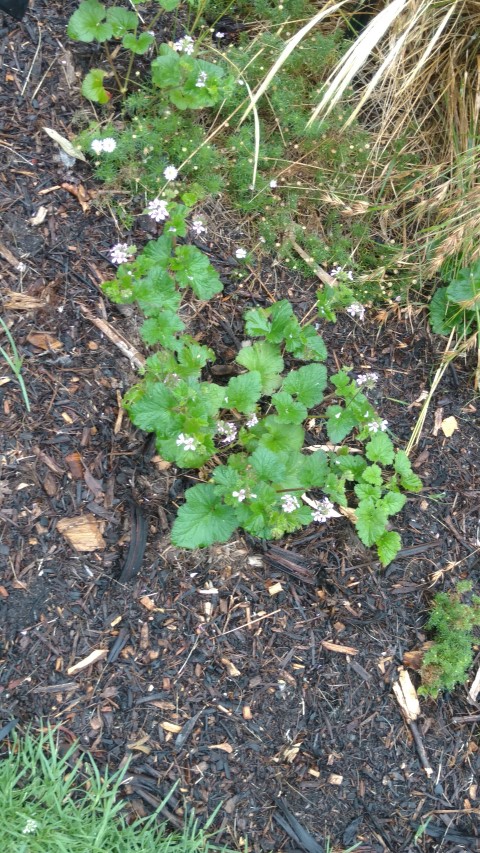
(207, 678)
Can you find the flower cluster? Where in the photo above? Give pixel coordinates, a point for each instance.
(368, 379)
(356, 309)
(186, 441)
(184, 45)
(30, 826)
(121, 253)
(201, 80)
(324, 510)
(228, 430)
(158, 209)
(289, 503)
(377, 426)
(252, 421)
(106, 145)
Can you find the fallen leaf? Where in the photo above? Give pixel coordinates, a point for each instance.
(335, 647)
(139, 745)
(65, 144)
(93, 657)
(40, 216)
(225, 747)
(449, 425)
(3, 592)
(414, 658)
(406, 696)
(82, 532)
(43, 340)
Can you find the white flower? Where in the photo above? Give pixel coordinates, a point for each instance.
(184, 45)
(170, 173)
(324, 510)
(349, 275)
(375, 426)
(240, 496)
(366, 379)
(201, 80)
(186, 441)
(252, 421)
(157, 209)
(121, 253)
(240, 253)
(30, 826)
(273, 183)
(228, 430)
(335, 271)
(109, 144)
(219, 35)
(356, 309)
(289, 503)
(97, 146)
(198, 227)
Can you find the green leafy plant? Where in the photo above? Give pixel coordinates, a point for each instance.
(446, 663)
(456, 308)
(254, 423)
(14, 362)
(60, 800)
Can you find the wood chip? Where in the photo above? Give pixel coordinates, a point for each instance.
(22, 302)
(174, 728)
(474, 689)
(147, 602)
(335, 779)
(449, 425)
(225, 747)
(335, 647)
(230, 667)
(82, 532)
(275, 588)
(406, 696)
(93, 657)
(74, 462)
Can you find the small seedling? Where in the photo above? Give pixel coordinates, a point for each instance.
(14, 362)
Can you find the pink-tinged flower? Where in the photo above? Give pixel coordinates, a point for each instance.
(198, 227)
(324, 510)
(252, 421)
(186, 441)
(240, 496)
(170, 173)
(158, 209)
(240, 253)
(219, 35)
(228, 430)
(368, 379)
(356, 309)
(289, 503)
(121, 253)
